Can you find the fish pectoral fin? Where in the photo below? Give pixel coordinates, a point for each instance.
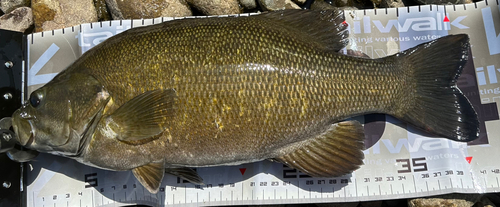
(150, 175)
(144, 116)
(186, 174)
(336, 152)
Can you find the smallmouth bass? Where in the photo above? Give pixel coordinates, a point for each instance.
(226, 91)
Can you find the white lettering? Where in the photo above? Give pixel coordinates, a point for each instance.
(491, 35)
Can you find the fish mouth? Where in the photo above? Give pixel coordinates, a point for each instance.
(32, 134)
(24, 129)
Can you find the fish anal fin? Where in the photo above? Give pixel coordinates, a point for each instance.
(336, 152)
(150, 175)
(144, 116)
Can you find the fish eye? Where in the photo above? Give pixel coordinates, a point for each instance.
(35, 99)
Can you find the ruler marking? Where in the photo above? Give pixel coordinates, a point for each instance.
(356, 187)
(197, 197)
(403, 188)
(439, 185)
(461, 181)
(498, 183)
(221, 196)
(309, 193)
(298, 188)
(232, 196)
(392, 193)
(92, 199)
(414, 184)
(185, 194)
(379, 190)
(451, 183)
(274, 193)
(472, 178)
(427, 184)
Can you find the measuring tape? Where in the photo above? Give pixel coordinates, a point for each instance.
(256, 183)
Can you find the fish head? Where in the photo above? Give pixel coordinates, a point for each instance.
(57, 116)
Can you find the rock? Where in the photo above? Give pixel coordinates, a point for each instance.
(102, 10)
(341, 4)
(452, 200)
(57, 14)
(248, 4)
(9, 5)
(485, 202)
(18, 20)
(392, 3)
(299, 2)
(431, 202)
(441, 2)
(137, 9)
(321, 5)
(216, 7)
(273, 5)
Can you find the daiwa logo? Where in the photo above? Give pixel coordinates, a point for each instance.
(491, 35)
(439, 22)
(492, 75)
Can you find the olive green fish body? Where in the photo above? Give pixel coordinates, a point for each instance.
(244, 91)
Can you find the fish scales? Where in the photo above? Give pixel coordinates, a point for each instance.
(241, 86)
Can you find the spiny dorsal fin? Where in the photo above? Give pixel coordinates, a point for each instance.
(186, 174)
(150, 176)
(336, 152)
(143, 116)
(326, 28)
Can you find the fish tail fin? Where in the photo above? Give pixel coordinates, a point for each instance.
(434, 102)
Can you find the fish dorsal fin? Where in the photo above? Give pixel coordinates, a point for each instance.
(186, 174)
(336, 152)
(144, 116)
(150, 175)
(326, 28)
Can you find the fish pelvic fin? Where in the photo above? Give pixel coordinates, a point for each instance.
(434, 103)
(144, 116)
(326, 29)
(336, 152)
(150, 175)
(186, 174)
